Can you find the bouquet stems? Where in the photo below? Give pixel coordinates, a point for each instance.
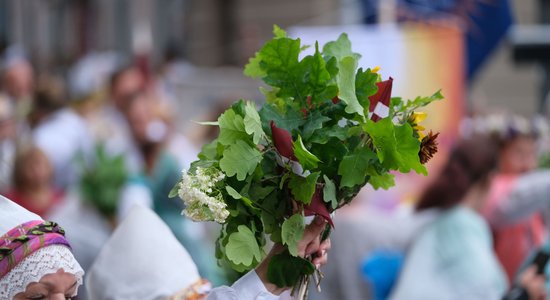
(301, 290)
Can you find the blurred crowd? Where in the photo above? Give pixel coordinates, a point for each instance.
(82, 148)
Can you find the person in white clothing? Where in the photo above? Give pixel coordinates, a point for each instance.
(60, 132)
(35, 258)
(143, 260)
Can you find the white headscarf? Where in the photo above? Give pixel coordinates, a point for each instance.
(142, 260)
(47, 260)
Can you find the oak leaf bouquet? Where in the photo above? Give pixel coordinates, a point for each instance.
(327, 129)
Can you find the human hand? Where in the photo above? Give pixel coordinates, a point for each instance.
(533, 283)
(321, 256)
(309, 245)
(311, 240)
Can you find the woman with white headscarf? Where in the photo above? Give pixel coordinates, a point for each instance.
(143, 260)
(35, 258)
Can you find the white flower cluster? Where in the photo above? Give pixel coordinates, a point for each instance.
(203, 201)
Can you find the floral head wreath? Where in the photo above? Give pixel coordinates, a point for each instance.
(504, 127)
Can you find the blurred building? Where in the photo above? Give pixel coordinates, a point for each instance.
(207, 32)
(213, 33)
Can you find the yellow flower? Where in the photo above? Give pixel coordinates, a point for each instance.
(418, 117)
(415, 119)
(419, 127)
(375, 69)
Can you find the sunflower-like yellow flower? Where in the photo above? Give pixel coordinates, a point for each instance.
(415, 119)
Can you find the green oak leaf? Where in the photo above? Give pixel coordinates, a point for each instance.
(306, 158)
(290, 121)
(278, 32)
(273, 208)
(384, 181)
(331, 154)
(323, 135)
(240, 159)
(231, 128)
(269, 222)
(346, 83)
(353, 167)
(237, 196)
(303, 188)
(395, 146)
(328, 93)
(365, 86)
(209, 151)
(258, 192)
(292, 232)
(423, 101)
(347, 64)
(252, 69)
(329, 192)
(242, 247)
(332, 67)
(280, 62)
(314, 122)
(238, 107)
(252, 122)
(232, 192)
(316, 76)
(340, 48)
(396, 101)
(285, 270)
(272, 98)
(240, 268)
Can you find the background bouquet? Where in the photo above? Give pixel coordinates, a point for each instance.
(326, 129)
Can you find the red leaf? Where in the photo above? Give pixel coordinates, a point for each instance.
(282, 141)
(318, 207)
(382, 96)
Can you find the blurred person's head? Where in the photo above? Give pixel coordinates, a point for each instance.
(49, 96)
(88, 80)
(147, 127)
(36, 260)
(518, 155)
(18, 78)
(124, 84)
(31, 169)
(7, 118)
(467, 171)
(517, 141)
(516, 138)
